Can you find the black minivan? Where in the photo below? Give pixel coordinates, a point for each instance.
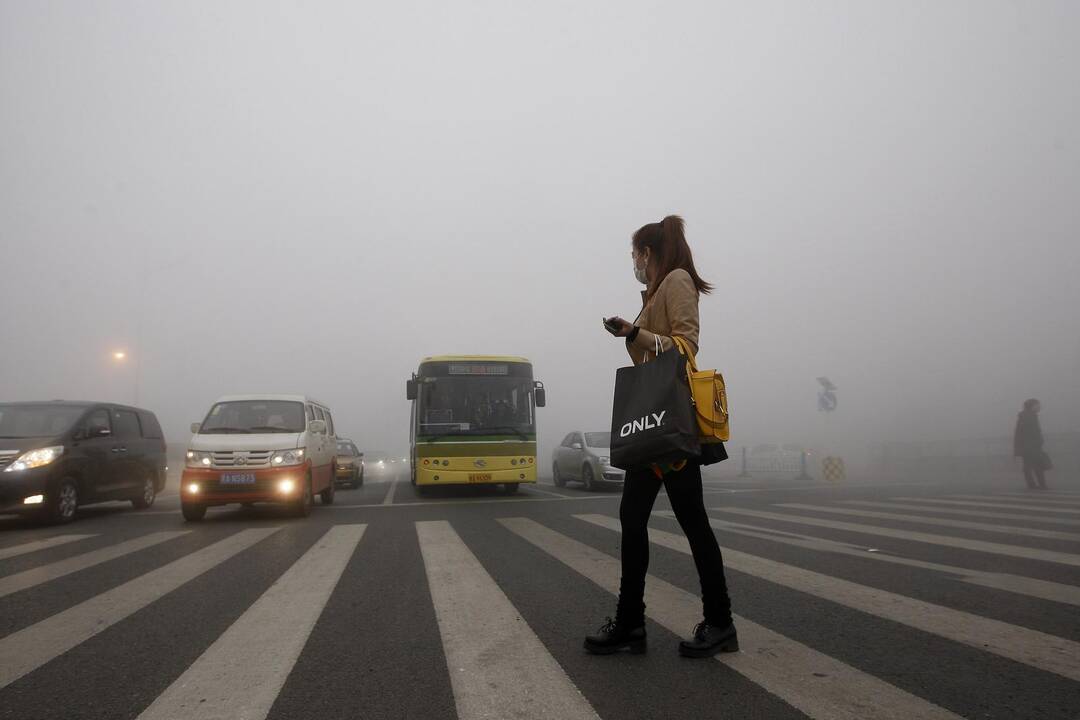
(56, 456)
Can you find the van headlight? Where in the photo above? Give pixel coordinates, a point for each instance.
(35, 458)
(604, 461)
(199, 459)
(281, 458)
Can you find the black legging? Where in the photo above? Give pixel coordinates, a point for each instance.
(684, 493)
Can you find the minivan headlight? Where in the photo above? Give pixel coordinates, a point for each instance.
(199, 459)
(605, 460)
(281, 458)
(35, 458)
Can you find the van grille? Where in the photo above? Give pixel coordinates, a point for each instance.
(252, 458)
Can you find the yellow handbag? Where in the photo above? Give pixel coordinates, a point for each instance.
(709, 397)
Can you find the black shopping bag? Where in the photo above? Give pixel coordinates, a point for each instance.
(652, 420)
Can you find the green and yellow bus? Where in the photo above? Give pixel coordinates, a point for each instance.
(474, 421)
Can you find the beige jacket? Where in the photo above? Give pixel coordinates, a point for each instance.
(673, 310)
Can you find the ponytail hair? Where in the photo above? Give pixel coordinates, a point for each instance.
(667, 245)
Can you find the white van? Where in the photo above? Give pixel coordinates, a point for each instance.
(260, 448)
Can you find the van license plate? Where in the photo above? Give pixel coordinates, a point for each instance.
(484, 477)
(238, 479)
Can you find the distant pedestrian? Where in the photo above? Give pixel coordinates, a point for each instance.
(1028, 445)
(664, 264)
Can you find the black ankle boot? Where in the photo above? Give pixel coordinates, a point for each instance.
(709, 640)
(615, 636)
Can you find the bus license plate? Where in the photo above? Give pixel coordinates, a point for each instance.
(238, 479)
(480, 477)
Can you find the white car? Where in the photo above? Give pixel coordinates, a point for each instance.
(260, 448)
(585, 456)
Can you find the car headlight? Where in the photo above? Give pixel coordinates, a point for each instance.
(35, 458)
(198, 458)
(605, 461)
(281, 458)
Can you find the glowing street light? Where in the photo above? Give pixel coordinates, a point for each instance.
(119, 355)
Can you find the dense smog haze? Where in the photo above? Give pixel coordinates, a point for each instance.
(310, 198)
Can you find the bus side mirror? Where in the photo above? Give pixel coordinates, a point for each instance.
(541, 395)
(410, 390)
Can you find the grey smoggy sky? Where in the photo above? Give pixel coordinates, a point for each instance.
(311, 197)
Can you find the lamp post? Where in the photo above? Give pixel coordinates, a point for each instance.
(121, 356)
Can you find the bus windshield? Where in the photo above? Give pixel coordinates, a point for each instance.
(476, 405)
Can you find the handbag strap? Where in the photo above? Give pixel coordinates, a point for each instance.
(684, 347)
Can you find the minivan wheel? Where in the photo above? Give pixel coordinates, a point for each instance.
(193, 512)
(587, 477)
(63, 505)
(556, 477)
(302, 505)
(149, 493)
(327, 495)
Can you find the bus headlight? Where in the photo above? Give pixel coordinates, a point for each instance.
(35, 458)
(283, 458)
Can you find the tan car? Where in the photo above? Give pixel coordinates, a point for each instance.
(349, 467)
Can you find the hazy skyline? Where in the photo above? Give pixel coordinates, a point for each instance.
(312, 197)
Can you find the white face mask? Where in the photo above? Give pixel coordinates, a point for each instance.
(639, 273)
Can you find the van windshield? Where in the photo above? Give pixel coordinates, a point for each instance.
(254, 416)
(26, 421)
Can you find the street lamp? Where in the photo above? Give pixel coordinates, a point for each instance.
(121, 356)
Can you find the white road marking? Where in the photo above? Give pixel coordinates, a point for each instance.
(1042, 589)
(56, 540)
(1043, 493)
(241, 673)
(30, 648)
(45, 573)
(1040, 500)
(999, 505)
(818, 685)
(1031, 647)
(929, 538)
(498, 666)
(533, 488)
(966, 513)
(941, 522)
(389, 499)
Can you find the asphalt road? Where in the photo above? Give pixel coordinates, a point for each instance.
(903, 600)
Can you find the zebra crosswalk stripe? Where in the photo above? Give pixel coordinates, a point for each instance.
(1038, 501)
(1042, 589)
(498, 667)
(241, 673)
(36, 545)
(33, 646)
(998, 505)
(52, 571)
(965, 513)
(1031, 647)
(949, 541)
(816, 684)
(940, 522)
